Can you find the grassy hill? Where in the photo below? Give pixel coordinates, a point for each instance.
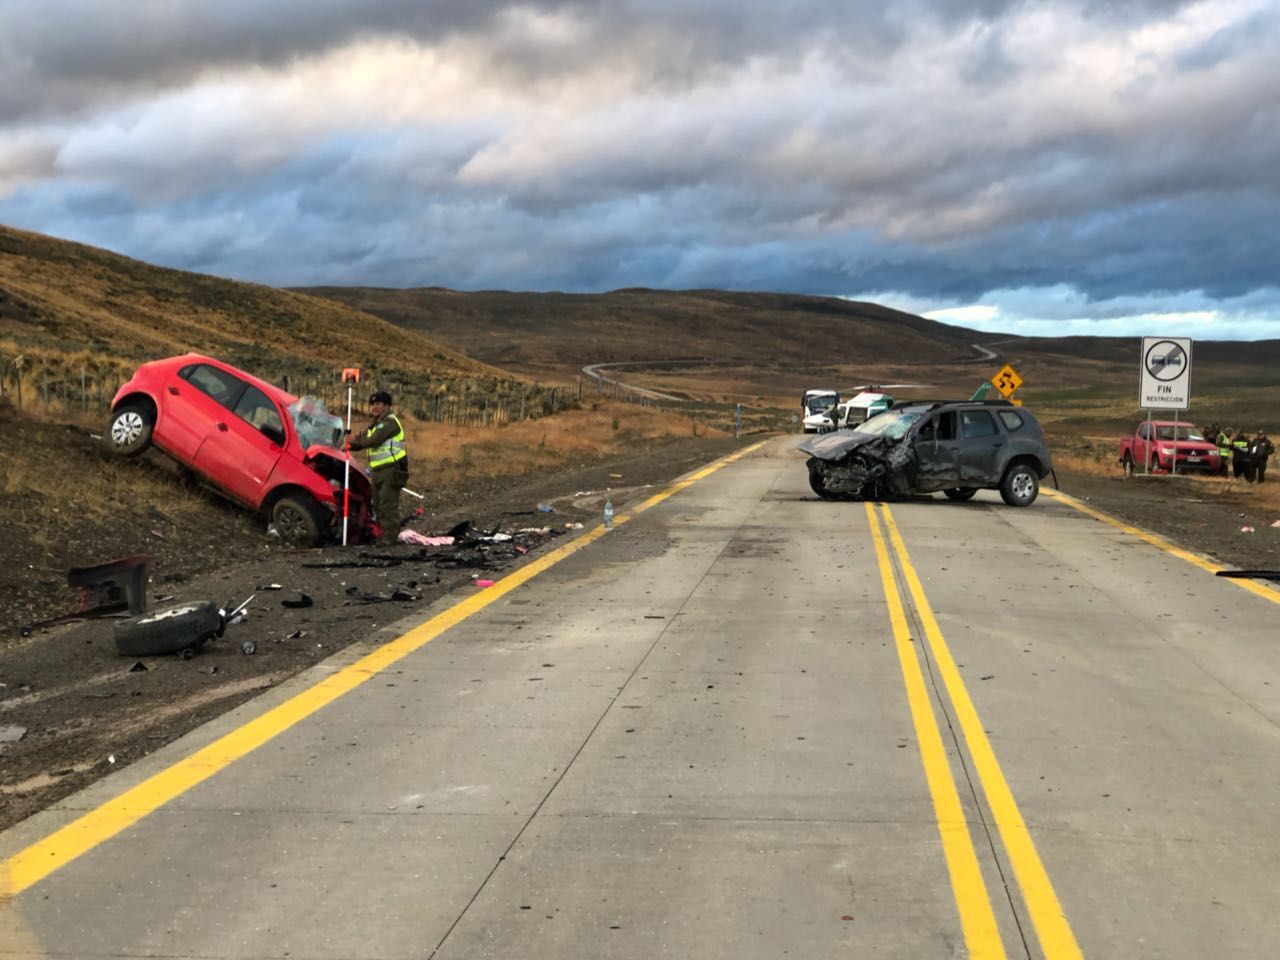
(547, 329)
(71, 311)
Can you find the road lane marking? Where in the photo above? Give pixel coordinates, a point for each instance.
(1157, 541)
(977, 919)
(1054, 932)
(41, 858)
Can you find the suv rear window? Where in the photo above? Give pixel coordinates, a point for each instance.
(1012, 420)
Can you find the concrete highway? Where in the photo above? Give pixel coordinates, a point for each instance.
(744, 723)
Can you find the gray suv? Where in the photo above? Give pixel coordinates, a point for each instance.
(956, 446)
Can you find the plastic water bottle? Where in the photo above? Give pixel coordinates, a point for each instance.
(608, 514)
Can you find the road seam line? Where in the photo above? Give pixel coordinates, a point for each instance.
(1052, 929)
(977, 918)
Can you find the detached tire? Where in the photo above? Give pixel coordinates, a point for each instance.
(299, 521)
(171, 630)
(129, 429)
(960, 493)
(1020, 486)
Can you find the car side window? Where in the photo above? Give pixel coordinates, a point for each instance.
(1143, 432)
(218, 384)
(256, 409)
(1011, 419)
(941, 426)
(976, 423)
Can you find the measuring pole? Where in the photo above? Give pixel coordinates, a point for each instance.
(351, 376)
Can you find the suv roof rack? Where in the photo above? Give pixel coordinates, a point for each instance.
(939, 403)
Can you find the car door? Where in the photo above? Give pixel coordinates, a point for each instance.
(980, 448)
(937, 453)
(244, 446)
(193, 401)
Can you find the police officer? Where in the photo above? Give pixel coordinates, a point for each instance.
(388, 461)
(1241, 464)
(1223, 440)
(1260, 448)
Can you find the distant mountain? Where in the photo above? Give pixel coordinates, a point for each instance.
(639, 324)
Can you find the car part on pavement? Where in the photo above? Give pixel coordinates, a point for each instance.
(181, 629)
(171, 630)
(1272, 575)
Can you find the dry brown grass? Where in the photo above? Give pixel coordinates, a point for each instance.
(449, 455)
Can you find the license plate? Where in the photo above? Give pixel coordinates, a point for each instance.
(1193, 459)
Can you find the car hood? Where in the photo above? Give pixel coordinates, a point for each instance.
(838, 443)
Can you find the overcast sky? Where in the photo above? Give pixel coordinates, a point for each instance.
(1097, 166)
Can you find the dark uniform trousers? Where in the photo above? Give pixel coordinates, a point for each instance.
(388, 481)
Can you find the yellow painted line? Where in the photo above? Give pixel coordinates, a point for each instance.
(1157, 541)
(977, 919)
(1054, 932)
(32, 864)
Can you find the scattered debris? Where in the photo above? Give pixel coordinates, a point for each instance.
(139, 667)
(12, 733)
(270, 586)
(546, 508)
(297, 634)
(1246, 529)
(303, 601)
(484, 583)
(248, 648)
(1272, 575)
(396, 595)
(422, 540)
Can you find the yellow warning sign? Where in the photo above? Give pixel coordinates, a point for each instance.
(1006, 381)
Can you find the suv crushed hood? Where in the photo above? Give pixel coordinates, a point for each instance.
(840, 443)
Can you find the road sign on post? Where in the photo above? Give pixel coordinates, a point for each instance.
(1007, 381)
(1165, 374)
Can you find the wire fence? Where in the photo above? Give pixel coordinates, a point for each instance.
(65, 387)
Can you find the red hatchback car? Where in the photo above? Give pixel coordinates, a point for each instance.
(259, 445)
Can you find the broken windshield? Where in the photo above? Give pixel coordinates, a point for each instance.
(893, 424)
(315, 425)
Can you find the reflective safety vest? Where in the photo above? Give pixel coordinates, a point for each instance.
(389, 451)
(1224, 446)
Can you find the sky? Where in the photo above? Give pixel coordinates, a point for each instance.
(1107, 167)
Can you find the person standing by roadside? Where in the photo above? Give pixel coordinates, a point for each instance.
(1260, 448)
(1223, 440)
(1240, 456)
(388, 461)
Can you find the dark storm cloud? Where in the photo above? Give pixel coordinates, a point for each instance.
(943, 148)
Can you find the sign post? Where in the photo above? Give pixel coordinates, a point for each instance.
(1165, 383)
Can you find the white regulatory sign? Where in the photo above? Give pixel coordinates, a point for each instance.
(1166, 373)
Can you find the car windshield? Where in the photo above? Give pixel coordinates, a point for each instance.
(315, 425)
(1184, 433)
(821, 404)
(893, 424)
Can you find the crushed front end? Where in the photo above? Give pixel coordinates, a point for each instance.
(332, 466)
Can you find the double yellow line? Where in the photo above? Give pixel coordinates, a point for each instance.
(977, 917)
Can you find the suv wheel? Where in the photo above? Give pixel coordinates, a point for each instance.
(960, 493)
(129, 429)
(1020, 486)
(817, 482)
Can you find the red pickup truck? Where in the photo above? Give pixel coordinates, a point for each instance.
(1155, 444)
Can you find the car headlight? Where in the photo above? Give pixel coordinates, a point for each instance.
(1166, 451)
